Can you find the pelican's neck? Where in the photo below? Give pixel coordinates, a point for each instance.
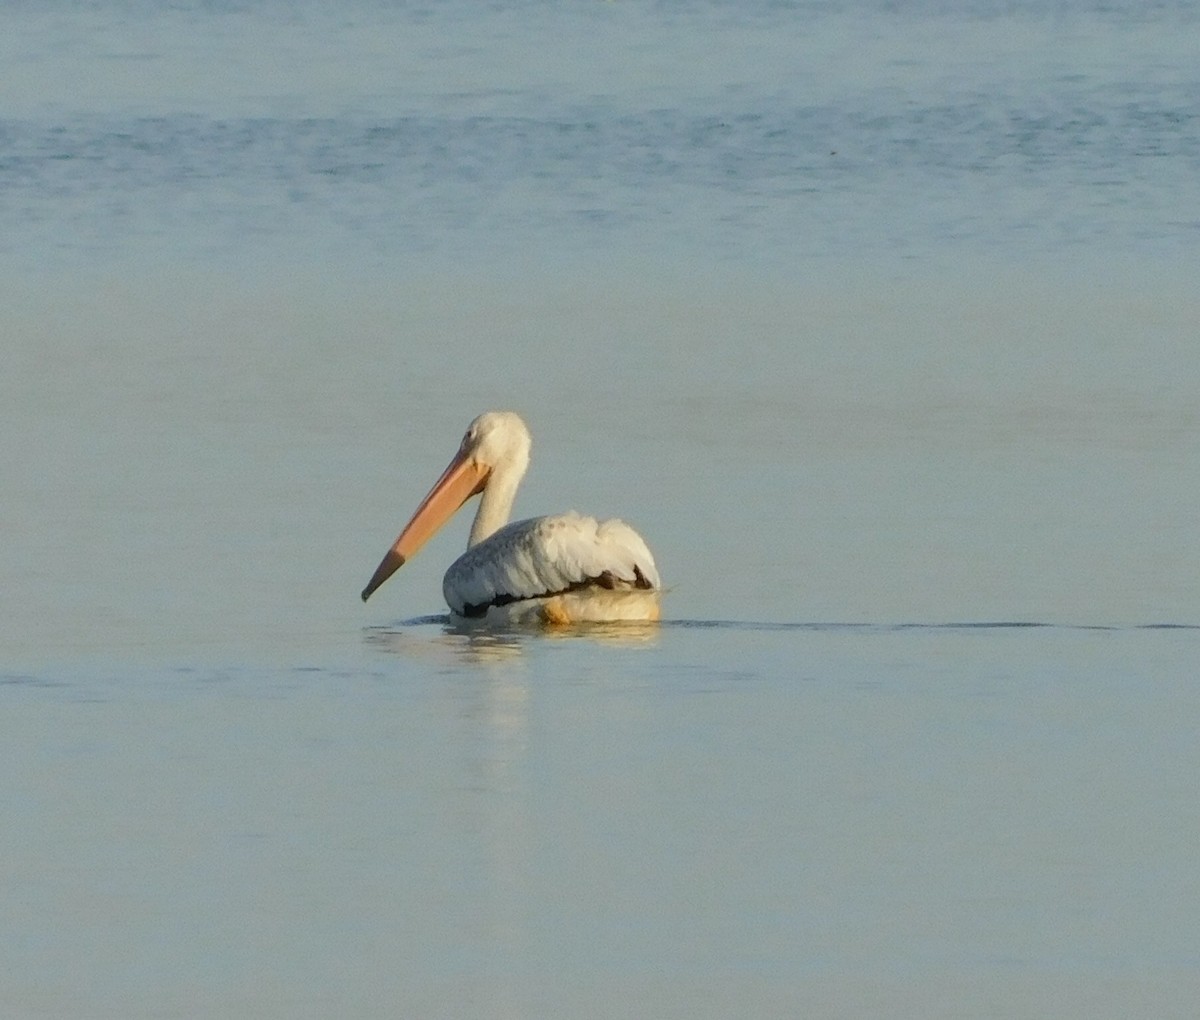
(495, 505)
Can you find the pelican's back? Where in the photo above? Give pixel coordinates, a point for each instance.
(542, 557)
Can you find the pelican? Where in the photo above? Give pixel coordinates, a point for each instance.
(561, 569)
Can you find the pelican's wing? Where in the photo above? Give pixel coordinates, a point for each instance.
(545, 556)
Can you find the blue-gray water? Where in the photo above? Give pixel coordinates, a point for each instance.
(878, 321)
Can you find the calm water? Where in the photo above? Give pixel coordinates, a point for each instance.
(880, 324)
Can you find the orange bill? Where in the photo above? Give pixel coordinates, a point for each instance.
(459, 482)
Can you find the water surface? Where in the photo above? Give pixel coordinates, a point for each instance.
(879, 324)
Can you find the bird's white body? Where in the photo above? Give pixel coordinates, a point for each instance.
(569, 565)
(561, 569)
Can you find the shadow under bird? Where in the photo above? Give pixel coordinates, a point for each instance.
(561, 569)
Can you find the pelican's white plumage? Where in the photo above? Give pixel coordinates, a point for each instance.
(566, 568)
(530, 558)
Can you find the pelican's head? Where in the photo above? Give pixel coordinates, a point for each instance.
(495, 447)
(497, 440)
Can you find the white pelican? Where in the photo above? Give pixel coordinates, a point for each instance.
(557, 570)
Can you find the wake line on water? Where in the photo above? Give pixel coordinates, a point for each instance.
(861, 627)
(964, 625)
